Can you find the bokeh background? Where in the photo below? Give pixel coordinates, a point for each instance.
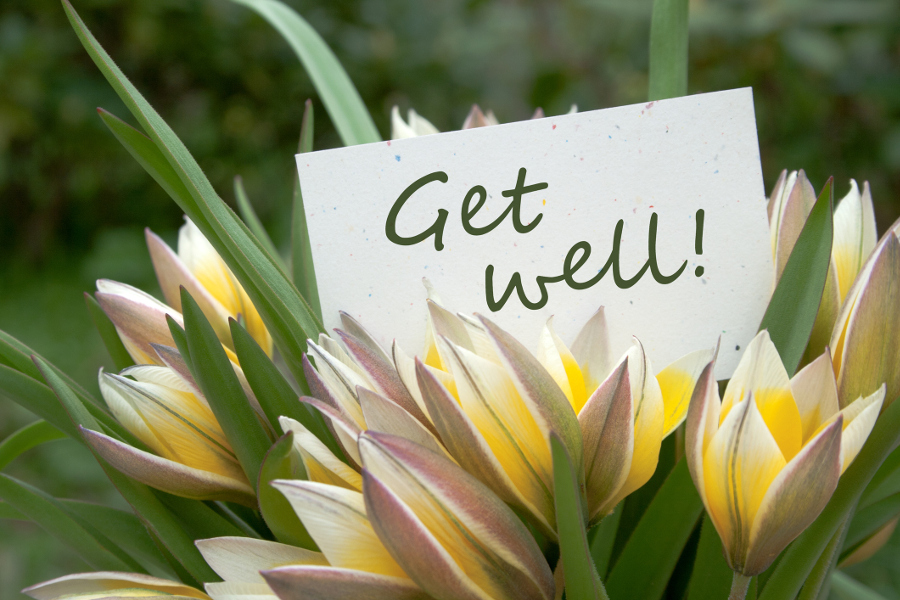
(73, 204)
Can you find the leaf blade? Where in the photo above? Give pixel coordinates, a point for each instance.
(26, 438)
(252, 220)
(668, 49)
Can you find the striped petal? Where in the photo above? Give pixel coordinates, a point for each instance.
(336, 519)
(677, 383)
(794, 499)
(238, 590)
(170, 476)
(242, 558)
(855, 235)
(344, 429)
(478, 533)
(107, 581)
(796, 203)
(591, 350)
(701, 426)
(607, 428)
(384, 415)
(341, 381)
(859, 419)
(470, 448)
(865, 352)
(739, 465)
(561, 365)
(444, 323)
(774, 205)
(140, 319)
(321, 464)
(355, 328)
(329, 583)
(815, 392)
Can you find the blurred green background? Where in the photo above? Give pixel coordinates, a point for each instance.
(73, 204)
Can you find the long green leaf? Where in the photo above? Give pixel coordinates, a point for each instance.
(252, 220)
(870, 519)
(282, 463)
(8, 512)
(214, 373)
(668, 49)
(710, 577)
(795, 302)
(844, 587)
(286, 314)
(651, 553)
(161, 523)
(37, 398)
(801, 556)
(338, 94)
(601, 539)
(120, 357)
(886, 481)
(200, 521)
(582, 580)
(304, 272)
(54, 520)
(26, 438)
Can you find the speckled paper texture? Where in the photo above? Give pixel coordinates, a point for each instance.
(672, 158)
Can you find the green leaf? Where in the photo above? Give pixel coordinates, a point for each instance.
(200, 520)
(601, 539)
(161, 523)
(8, 512)
(215, 375)
(799, 559)
(273, 392)
(285, 313)
(886, 481)
(582, 580)
(304, 272)
(120, 357)
(820, 577)
(651, 553)
(795, 302)
(868, 520)
(668, 49)
(53, 519)
(26, 438)
(252, 221)
(37, 398)
(343, 103)
(844, 587)
(282, 463)
(710, 577)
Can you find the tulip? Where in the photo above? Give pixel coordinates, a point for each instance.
(110, 584)
(189, 454)
(421, 528)
(865, 333)
(417, 125)
(767, 459)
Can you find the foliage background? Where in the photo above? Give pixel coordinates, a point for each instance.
(825, 73)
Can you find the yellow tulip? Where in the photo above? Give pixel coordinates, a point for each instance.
(102, 585)
(768, 457)
(190, 455)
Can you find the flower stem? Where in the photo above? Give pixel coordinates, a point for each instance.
(739, 586)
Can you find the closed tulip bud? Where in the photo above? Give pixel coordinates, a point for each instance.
(415, 125)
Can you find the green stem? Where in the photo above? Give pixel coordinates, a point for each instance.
(739, 586)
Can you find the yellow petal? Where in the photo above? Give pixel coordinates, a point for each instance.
(859, 419)
(242, 558)
(336, 519)
(238, 590)
(342, 381)
(701, 426)
(855, 235)
(591, 351)
(330, 583)
(321, 464)
(815, 391)
(386, 416)
(345, 430)
(677, 382)
(559, 362)
(740, 463)
(107, 581)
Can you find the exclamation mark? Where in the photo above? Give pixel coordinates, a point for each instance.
(698, 241)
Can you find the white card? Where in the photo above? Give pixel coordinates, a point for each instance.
(586, 176)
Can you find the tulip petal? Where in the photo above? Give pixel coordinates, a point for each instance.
(794, 498)
(406, 369)
(139, 318)
(773, 207)
(329, 583)
(739, 465)
(384, 377)
(382, 414)
(355, 328)
(321, 464)
(859, 419)
(242, 558)
(446, 324)
(607, 428)
(815, 392)
(468, 446)
(543, 398)
(238, 590)
(399, 128)
(428, 563)
(420, 124)
(342, 381)
(794, 210)
(591, 350)
(762, 373)
(336, 519)
(489, 398)
(677, 383)
(344, 429)
(855, 235)
(170, 476)
(561, 365)
(865, 352)
(480, 341)
(102, 581)
(701, 425)
(481, 534)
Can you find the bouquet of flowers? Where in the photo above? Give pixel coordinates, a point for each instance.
(263, 457)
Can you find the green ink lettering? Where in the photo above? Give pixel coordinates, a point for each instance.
(436, 229)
